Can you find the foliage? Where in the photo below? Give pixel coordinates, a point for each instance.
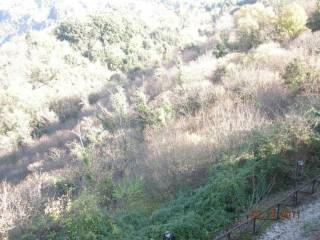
(221, 48)
(86, 221)
(296, 73)
(254, 24)
(43, 226)
(235, 186)
(67, 108)
(121, 41)
(39, 128)
(170, 145)
(106, 190)
(120, 107)
(317, 17)
(291, 21)
(130, 193)
(148, 115)
(236, 183)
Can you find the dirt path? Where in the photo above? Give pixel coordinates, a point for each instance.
(305, 227)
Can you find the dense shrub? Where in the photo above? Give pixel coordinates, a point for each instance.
(86, 221)
(291, 21)
(106, 191)
(255, 24)
(108, 28)
(129, 193)
(39, 127)
(296, 73)
(121, 41)
(314, 21)
(147, 114)
(221, 49)
(43, 227)
(119, 117)
(67, 108)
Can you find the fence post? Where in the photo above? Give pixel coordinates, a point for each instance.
(254, 226)
(229, 236)
(278, 211)
(295, 198)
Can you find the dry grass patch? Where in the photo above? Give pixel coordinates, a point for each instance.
(269, 55)
(188, 145)
(19, 202)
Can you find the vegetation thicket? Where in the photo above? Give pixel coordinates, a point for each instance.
(123, 125)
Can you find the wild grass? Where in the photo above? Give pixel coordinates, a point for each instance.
(187, 146)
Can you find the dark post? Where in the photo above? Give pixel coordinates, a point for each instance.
(278, 211)
(299, 171)
(254, 226)
(229, 235)
(296, 175)
(295, 198)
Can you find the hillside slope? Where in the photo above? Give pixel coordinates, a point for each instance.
(128, 119)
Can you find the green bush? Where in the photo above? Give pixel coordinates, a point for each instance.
(146, 115)
(254, 24)
(42, 227)
(114, 57)
(108, 122)
(64, 188)
(99, 37)
(106, 191)
(295, 74)
(291, 21)
(121, 40)
(39, 127)
(129, 192)
(221, 50)
(85, 220)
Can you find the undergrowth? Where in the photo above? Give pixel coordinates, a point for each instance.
(266, 164)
